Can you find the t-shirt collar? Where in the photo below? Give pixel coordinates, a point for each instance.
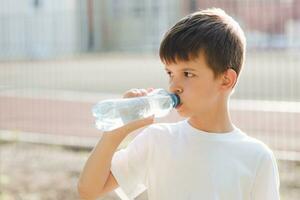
(209, 135)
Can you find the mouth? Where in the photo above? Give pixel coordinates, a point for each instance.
(177, 107)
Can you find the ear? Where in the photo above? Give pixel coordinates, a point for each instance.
(228, 79)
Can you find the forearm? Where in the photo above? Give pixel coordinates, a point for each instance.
(97, 168)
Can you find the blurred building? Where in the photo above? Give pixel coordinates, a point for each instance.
(36, 29)
(31, 29)
(267, 23)
(133, 25)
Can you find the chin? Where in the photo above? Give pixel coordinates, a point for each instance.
(181, 113)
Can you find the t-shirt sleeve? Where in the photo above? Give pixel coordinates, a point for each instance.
(129, 166)
(266, 184)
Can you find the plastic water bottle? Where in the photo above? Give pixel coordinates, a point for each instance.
(114, 113)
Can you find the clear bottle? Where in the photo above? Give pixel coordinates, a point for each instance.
(114, 113)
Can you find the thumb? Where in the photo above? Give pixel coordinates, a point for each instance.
(134, 125)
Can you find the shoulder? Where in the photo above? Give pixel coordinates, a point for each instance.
(257, 144)
(162, 130)
(258, 155)
(152, 132)
(167, 128)
(257, 147)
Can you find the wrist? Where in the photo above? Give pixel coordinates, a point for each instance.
(113, 137)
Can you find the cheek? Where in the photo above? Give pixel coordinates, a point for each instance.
(203, 96)
(208, 87)
(200, 91)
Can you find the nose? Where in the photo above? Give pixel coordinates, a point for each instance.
(175, 89)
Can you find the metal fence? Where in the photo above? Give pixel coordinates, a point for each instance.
(61, 56)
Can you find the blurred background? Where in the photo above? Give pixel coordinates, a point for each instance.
(59, 57)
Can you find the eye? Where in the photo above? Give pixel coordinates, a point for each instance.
(188, 74)
(169, 73)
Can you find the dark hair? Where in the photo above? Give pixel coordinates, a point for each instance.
(210, 31)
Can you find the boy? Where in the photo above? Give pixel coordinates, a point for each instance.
(204, 156)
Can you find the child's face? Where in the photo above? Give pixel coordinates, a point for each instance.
(194, 82)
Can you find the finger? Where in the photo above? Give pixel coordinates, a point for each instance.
(150, 89)
(130, 93)
(139, 92)
(127, 95)
(144, 92)
(134, 92)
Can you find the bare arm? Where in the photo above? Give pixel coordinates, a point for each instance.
(96, 178)
(97, 168)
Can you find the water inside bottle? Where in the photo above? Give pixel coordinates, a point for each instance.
(140, 109)
(108, 124)
(112, 114)
(161, 105)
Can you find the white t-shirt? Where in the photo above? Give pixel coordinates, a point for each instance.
(177, 161)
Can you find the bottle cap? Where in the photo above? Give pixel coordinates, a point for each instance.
(175, 99)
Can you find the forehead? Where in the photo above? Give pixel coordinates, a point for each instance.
(195, 64)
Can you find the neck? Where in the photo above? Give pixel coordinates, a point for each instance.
(216, 120)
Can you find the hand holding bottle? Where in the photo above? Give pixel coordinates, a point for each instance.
(93, 178)
(136, 104)
(136, 124)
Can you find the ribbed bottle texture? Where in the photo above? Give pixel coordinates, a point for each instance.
(114, 113)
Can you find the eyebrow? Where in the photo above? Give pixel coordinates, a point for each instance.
(184, 69)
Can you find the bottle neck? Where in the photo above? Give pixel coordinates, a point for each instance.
(176, 100)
